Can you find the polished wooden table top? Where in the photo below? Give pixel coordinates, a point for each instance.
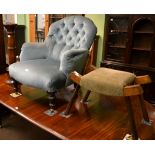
(108, 119)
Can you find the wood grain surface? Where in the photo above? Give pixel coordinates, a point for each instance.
(108, 115)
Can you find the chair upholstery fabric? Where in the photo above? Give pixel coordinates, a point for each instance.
(47, 65)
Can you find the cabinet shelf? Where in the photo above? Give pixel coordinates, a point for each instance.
(141, 49)
(130, 39)
(117, 46)
(110, 59)
(143, 32)
(117, 31)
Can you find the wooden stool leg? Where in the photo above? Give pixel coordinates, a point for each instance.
(70, 104)
(131, 118)
(84, 100)
(144, 111)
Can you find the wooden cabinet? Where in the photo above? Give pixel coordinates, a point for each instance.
(116, 37)
(2, 47)
(130, 45)
(11, 43)
(19, 37)
(15, 40)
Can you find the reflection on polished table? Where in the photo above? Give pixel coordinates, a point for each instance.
(105, 122)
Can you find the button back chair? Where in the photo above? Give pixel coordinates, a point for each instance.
(47, 65)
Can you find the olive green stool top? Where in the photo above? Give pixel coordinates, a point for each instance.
(107, 81)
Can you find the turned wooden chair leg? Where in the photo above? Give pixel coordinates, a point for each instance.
(70, 104)
(131, 118)
(16, 86)
(51, 98)
(84, 100)
(51, 111)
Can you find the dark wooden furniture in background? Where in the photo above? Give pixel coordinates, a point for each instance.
(2, 47)
(11, 44)
(95, 48)
(40, 35)
(16, 37)
(130, 45)
(19, 37)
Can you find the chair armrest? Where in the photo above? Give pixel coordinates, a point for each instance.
(73, 60)
(30, 51)
(75, 77)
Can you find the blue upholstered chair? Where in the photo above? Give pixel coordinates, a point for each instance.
(47, 65)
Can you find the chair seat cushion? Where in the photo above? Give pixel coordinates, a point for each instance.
(40, 73)
(107, 81)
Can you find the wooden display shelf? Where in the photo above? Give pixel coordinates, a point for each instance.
(139, 45)
(141, 49)
(144, 32)
(117, 46)
(117, 31)
(118, 60)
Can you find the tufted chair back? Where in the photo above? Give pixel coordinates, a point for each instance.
(74, 32)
